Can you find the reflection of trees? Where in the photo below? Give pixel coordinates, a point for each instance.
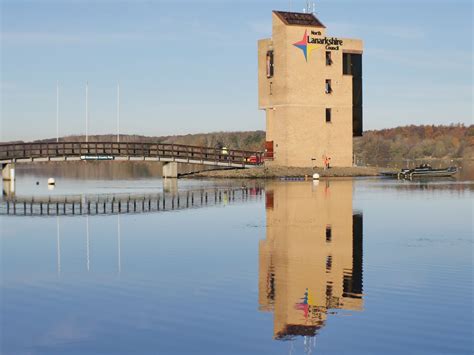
(94, 170)
(432, 185)
(311, 260)
(105, 170)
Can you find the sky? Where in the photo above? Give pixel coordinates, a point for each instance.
(191, 66)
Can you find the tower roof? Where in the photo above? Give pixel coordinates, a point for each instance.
(299, 19)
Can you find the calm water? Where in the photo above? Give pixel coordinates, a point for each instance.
(346, 266)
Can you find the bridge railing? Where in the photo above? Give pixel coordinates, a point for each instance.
(13, 151)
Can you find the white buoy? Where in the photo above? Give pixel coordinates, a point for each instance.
(51, 181)
(315, 176)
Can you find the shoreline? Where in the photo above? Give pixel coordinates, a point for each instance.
(279, 172)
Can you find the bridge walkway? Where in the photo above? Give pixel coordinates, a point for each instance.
(67, 151)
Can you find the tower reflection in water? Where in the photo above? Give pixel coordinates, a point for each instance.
(311, 260)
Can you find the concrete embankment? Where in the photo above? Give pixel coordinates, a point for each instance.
(281, 172)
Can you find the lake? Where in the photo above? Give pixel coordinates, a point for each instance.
(360, 266)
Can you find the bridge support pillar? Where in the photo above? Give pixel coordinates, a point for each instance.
(170, 170)
(8, 172)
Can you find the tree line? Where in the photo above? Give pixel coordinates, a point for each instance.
(405, 142)
(416, 142)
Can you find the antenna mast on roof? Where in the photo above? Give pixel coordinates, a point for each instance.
(310, 8)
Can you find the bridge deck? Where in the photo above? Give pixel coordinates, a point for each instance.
(69, 151)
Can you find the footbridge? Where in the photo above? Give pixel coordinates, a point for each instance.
(169, 154)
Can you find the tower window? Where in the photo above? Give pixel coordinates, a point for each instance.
(328, 86)
(328, 115)
(269, 64)
(328, 58)
(328, 234)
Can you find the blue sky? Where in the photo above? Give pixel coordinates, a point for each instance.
(190, 66)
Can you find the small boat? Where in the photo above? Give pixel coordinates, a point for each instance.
(425, 170)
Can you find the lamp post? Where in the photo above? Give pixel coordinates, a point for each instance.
(57, 111)
(118, 113)
(87, 112)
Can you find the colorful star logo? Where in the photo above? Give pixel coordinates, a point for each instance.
(306, 47)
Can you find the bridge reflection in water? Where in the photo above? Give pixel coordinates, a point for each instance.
(105, 204)
(310, 263)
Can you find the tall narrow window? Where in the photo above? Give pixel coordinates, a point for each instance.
(328, 86)
(328, 58)
(352, 65)
(328, 234)
(328, 115)
(346, 64)
(269, 64)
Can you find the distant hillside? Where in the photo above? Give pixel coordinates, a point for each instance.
(246, 140)
(408, 142)
(416, 142)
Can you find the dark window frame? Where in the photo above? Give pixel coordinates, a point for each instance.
(328, 233)
(329, 60)
(328, 115)
(328, 86)
(270, 64)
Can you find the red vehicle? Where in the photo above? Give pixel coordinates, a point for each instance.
(254, 159)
